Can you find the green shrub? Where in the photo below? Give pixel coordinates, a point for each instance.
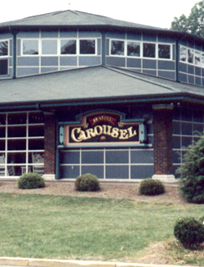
(30, 181)
(189, 232)
(151, 187)
(87, 182)
(192, 173)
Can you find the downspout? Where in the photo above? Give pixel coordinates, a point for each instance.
(177, 60)
(14, 52)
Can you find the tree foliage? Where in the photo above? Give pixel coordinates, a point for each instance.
(192, 173)
(193, 24)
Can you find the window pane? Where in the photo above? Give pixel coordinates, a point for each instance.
(190, 55)
(202, 60)
(68, 46)
(183, 53)
(4, 48)
(148, 50)
(49, 47)
(117, 48)
(197, 58)
(30, 47)
(3, 67)
(164, 51)
(133, 49)
(87, 46)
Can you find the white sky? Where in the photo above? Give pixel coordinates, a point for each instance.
(159, 13)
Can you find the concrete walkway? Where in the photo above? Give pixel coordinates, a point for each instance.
(21, 262)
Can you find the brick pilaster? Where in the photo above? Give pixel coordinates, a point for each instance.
(163, 155)
(49, 143)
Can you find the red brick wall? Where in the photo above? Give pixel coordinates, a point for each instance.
(49, 143)
(163, 156)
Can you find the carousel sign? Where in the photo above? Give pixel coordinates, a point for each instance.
(101, 128)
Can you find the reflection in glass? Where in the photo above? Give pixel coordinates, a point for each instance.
(87, 46)
(183, 53)
(148, 50)
(133, 49)
(190, 55)
(68, 46)
(30, 47)
(164, 51)
(117, 48)
(3, 48)
(49, 47)
(197, 58)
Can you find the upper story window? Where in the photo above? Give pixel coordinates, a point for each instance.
(30, 47)
(140, 49)
(117, 47)
(164, 51)
(191, 56)
(133, 49)
(87, 46)
(68, 47)
(149, 50)
(4, 48)
(51, 47)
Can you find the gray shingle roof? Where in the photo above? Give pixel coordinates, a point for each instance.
(72, 18)
(88, 84)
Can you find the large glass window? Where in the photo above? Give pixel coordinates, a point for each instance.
(149, 50)
(190, 56)
(49, 47)
(54, 47)
(68, 46)
(21, 143)
(87, 46)
(3, 48)
(164, 51)
(197, 58)
(30, 47)
(117, 47)
(183, 52)
(133, 49)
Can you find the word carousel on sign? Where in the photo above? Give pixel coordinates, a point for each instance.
(79, 135)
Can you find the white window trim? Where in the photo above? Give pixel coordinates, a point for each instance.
(5, 40)
(201, 65)
(58, 47)
(141, 49)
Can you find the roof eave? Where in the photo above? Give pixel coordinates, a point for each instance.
(142, 99)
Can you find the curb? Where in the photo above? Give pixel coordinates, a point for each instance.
(7, 261)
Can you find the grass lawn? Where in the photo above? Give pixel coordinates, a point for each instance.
(63, 227)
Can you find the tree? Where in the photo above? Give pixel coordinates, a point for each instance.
(192, 173)
(194, 23)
